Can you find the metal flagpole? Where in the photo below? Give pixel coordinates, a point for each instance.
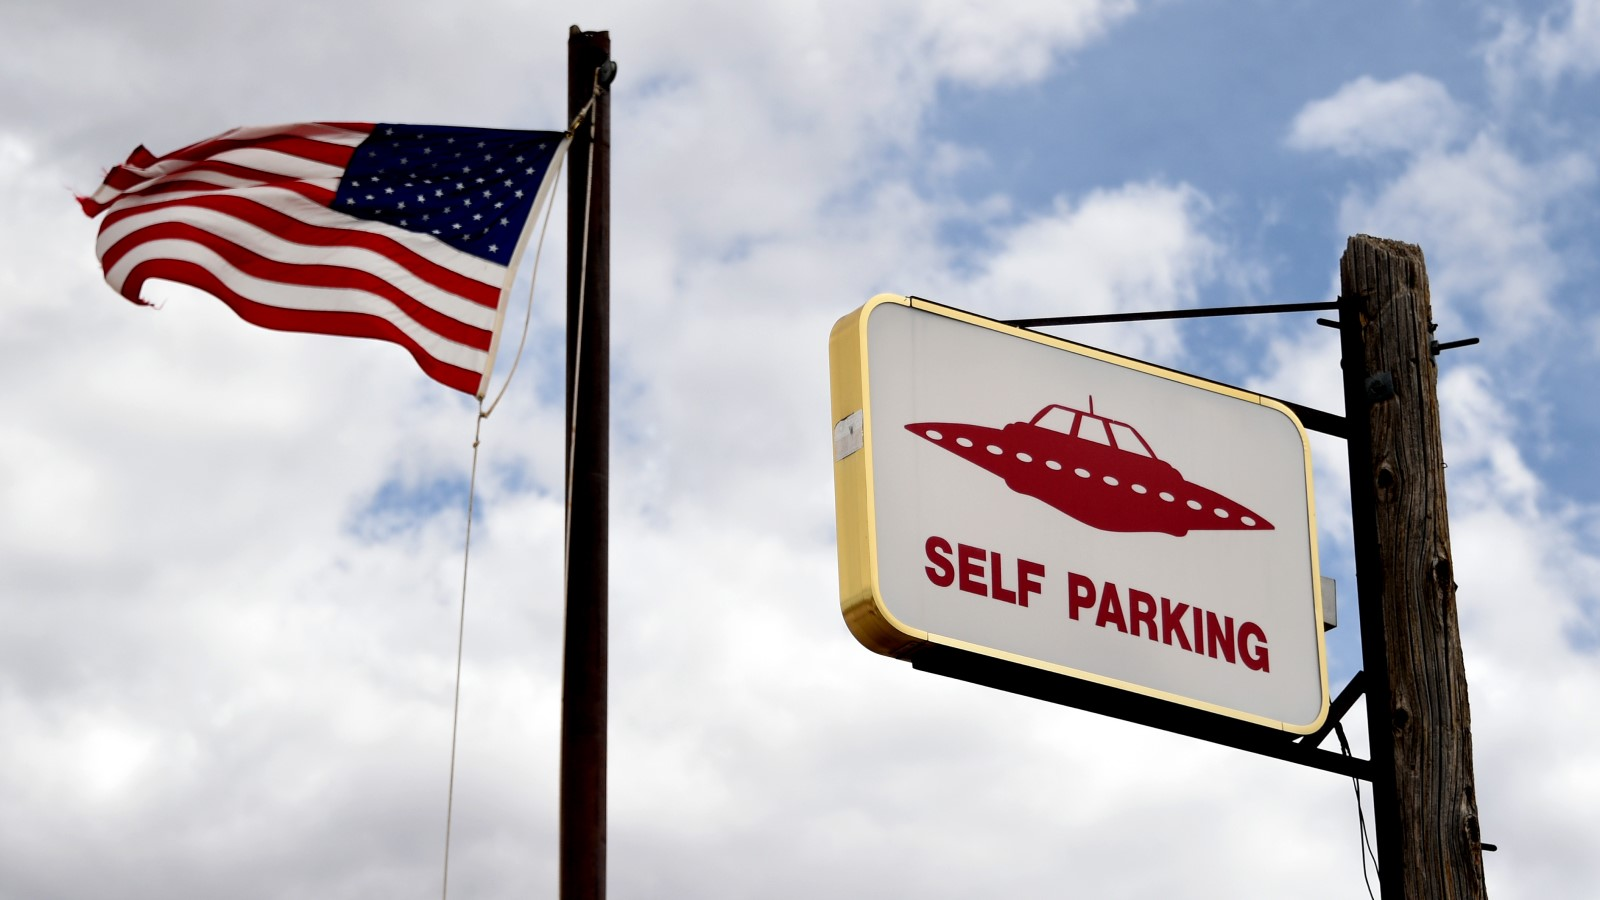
(583, 701)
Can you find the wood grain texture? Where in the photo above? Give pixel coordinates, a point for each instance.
(1433, 826)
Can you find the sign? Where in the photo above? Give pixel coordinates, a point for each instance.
(1019, 496)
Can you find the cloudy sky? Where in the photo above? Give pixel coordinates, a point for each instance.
(229, 558)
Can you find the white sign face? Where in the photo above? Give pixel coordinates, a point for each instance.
(1062, 508)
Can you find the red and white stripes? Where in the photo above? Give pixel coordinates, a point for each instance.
(246, 217)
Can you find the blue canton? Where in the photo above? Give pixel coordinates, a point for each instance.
(469, 187)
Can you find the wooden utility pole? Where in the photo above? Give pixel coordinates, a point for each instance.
(1421, 740)
(584, 662)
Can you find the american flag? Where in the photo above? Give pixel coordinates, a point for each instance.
(404, 233)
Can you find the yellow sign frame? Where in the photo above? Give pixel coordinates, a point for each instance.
(861, 600)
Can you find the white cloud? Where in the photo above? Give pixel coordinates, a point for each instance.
(1011, 42)
(1570, 45)
(725, 163)
(1527, 578)
(1367, 117)
(1482, 216)
(1560, 45)
(1304, 368)
(1480, 209)
(1139, 247)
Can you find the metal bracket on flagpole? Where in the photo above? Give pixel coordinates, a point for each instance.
(604, 74)
(582, 114)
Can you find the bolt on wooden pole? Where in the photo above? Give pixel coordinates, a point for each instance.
(585, 648)
(1425, 807)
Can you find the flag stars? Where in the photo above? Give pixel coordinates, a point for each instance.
(436, 190)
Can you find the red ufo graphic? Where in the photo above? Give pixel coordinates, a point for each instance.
(1096, 470)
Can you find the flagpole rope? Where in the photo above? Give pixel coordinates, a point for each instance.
(538, 254)
(527, 318)
(577, 343)
(472, 484)
(461, 631)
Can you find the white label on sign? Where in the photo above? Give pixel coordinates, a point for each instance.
(847, 436)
